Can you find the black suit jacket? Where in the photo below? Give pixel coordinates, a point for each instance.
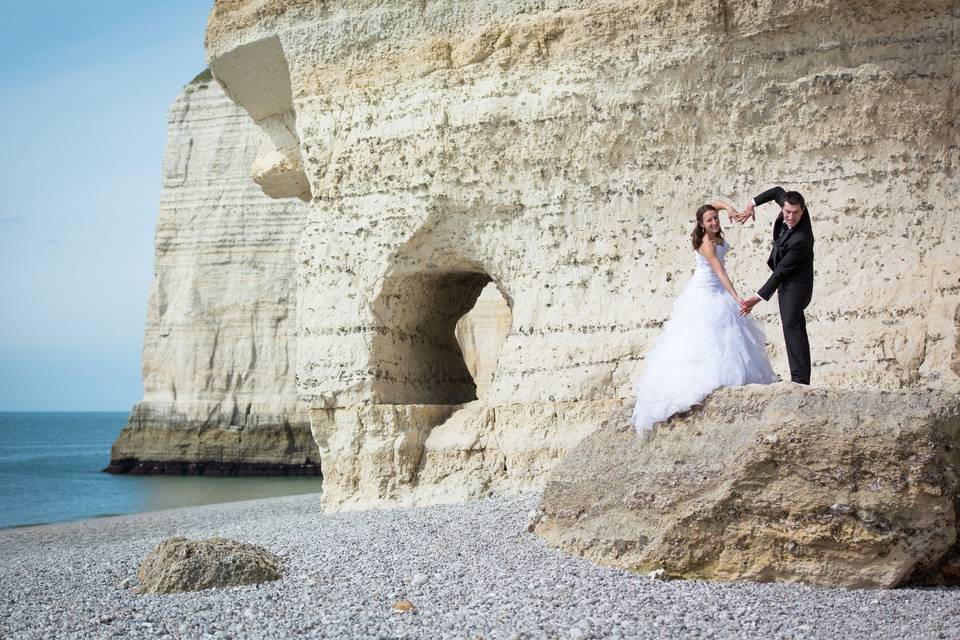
(791, 258)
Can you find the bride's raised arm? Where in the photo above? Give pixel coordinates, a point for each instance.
(721, 205)
(708, 251)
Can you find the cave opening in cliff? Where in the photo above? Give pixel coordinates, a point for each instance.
(439, 336)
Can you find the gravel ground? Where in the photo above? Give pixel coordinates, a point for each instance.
(470, 570)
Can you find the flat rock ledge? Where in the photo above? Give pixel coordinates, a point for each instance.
(770, 483)
(178, 564)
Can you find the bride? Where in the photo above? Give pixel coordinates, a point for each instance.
(706, 343)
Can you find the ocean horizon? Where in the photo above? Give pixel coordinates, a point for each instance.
(51, 470)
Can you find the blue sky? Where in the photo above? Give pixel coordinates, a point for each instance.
(84, 90)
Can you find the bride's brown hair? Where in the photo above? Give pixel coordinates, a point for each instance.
(698, 231)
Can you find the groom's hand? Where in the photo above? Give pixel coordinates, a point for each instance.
(747, 305)
(748, 212)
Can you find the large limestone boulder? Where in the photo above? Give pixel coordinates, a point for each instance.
(557, 150)
(178, 564)
(764, 483)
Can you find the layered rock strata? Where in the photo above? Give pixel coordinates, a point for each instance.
(558, 149)
(781, 482)
(219, 346)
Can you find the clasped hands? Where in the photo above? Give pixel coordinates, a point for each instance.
(746, 304)
(741, 217)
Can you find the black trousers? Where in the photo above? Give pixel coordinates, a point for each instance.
(793, 298)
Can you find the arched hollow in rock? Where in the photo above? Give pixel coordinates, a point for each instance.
(415, 355)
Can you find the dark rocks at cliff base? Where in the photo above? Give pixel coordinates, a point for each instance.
(135, 467)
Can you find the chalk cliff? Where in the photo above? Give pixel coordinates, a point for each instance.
(219, 345)
(557, 149)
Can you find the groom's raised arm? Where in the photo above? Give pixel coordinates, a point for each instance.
(776, 194)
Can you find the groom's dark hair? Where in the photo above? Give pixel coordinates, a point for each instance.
(794, 198)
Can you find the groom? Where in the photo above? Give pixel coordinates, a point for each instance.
(791, 260)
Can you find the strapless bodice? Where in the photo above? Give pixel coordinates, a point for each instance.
(721, 255)
(704, 276)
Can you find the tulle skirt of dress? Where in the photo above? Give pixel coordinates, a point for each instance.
(704, 345)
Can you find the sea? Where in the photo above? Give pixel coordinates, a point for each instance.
(51, 471)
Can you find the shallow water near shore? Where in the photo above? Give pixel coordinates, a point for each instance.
(51, 471)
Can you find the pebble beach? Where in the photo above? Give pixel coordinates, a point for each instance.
(469, 570)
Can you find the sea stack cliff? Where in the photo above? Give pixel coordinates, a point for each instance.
(219, 351)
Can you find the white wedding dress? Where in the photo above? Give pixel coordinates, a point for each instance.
(705, 344)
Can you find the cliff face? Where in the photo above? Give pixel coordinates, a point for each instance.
(558, 150)
(219, 347)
